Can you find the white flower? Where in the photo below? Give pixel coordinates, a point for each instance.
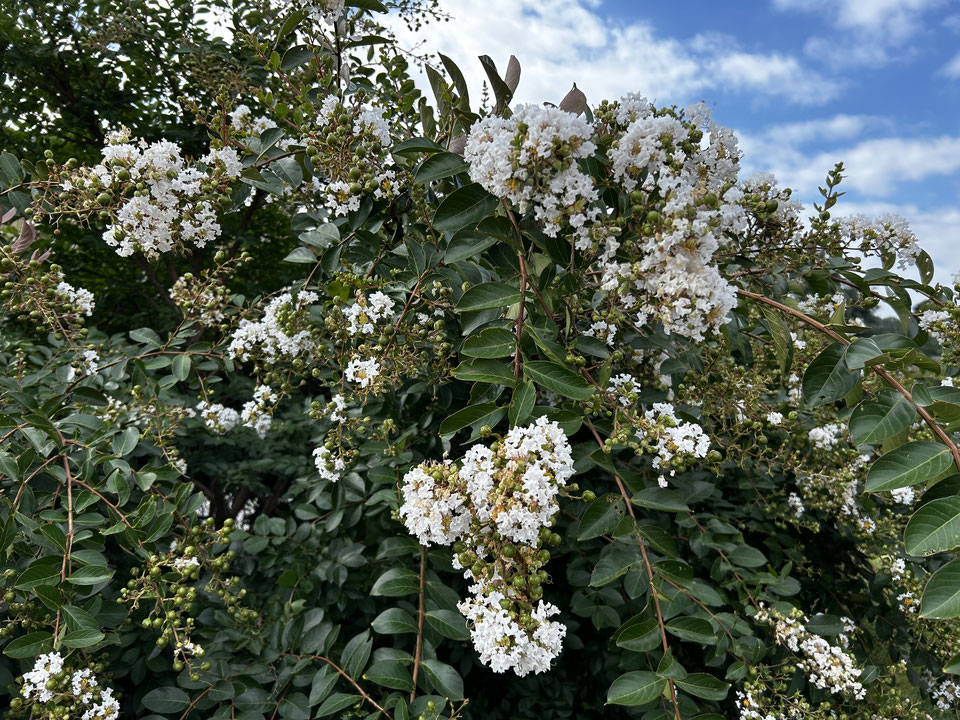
(904, 496)
(677, 437)
(794, 501)
(774, 418)
(269, 337)
(82, 299)
(531, 159)
(185, 563)
(362, 371)
(503, 644)
(328, 466)
(257, 413)
(434, 506)
(229, 158)
(827, 436)
(218, 418)
(35, 681)
(364, 315)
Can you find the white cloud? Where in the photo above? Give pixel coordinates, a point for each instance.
(559, 42)
(952, 68)
(874, 167)
(865, 31)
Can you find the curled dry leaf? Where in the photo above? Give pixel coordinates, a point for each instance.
(27, 235)
(574, 101)
(512, 77)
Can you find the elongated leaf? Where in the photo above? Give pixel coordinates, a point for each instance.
(559, 379)
(439, 166)
(390, 673)
(467, 244)
(827, 379)
(445, 679)
(658, 498)
(468, 416)
(641, 637)
(910, 464)
(166, 700)
(464, 207)
(941, 596)
(693, 629)
(704, 686)
(393, 621)
(488, 371)
(29, 646)
(934, 528)
(488, 295)
(782, 339)
(395, 582)
(448, 623)
(635, 688)
(860, 352)
(876, 420)
(337, 702)
(524, 399)
(599, 518)
(490, 343)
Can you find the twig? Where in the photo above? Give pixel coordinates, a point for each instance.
(420, 612)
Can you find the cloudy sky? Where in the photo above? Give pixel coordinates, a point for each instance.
(805, 83)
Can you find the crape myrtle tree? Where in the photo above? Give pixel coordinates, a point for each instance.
(413, 407)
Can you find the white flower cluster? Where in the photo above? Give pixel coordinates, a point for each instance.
(362, 371)
(275, 335)
(933, 321)
(365, 313)
(96, 704)
(328, 466)
(675, 437)
(904, 496)
(243, 120)
(828, 666)
(81, 299)
(173, 206)
(325, 10)
(537, 458)
(503, 643)
(435, 508)
(946, 695)
(508, 494)
(827, 436)
(185, 563)
(531, 158)
(621, 385)
(796, 502)
(690, 187)
(257, 414)
(775, 418)
(217, 417)
(885, 234)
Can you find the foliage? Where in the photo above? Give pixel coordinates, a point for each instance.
(435, 410)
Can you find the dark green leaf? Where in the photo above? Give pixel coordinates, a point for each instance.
(827, 379)
(559, 379)
(934, 528)
(464, 207)
(489, 295)
(635, 688)
(910, 464)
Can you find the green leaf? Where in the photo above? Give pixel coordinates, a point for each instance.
(396, 582)
(489, 295)
(501, 90)
(641, 637)
(180, 367)
(146, 336)
(614, 561)
(467, 244)
(355, 654)
(335, 703)
(390, 673)
(445, 679)
(393, 621)
(79, 619)
(45, 571)
(934, 528)
(875, 420)
(295, 57)
(490, 343)
(166, 700)
(90, 575)
(439, 166)
(635, 688)
(782, 339)
(910, 464)
(414, 146)
(657, 498)
(827, 379)
(448, 623)
(559, 379)
(301, 255)
(524, 399)
(487, 371)
(29, 646)
(941, 596)
(483, 413)
(600, 518)
(464, 207)
(860, 352)
(704, 686)
(83, 638)
(693, 629)
(8, 465)
(125, 442)
(11, 169)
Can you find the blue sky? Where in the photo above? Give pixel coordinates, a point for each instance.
(804, 83)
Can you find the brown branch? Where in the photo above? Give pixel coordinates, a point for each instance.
(420, 613)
